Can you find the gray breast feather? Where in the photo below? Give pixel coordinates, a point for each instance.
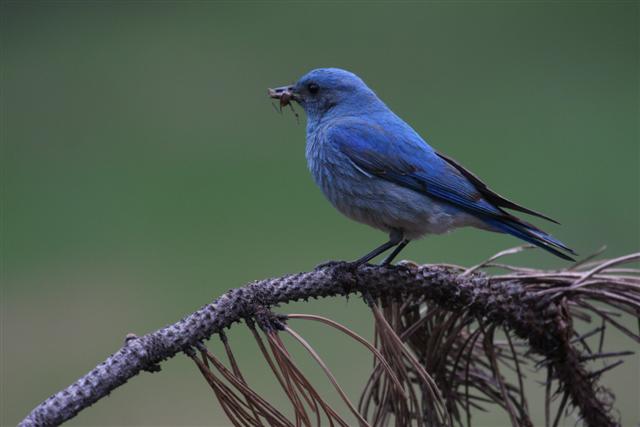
(375, 201)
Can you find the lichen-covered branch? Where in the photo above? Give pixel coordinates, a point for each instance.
(533, 304)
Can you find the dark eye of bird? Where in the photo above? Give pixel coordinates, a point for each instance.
(313, 88)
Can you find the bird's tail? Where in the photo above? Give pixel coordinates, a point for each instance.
(532, 234)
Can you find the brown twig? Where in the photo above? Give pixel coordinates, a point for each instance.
(526, 302)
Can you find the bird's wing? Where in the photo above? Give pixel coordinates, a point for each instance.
(402, 157)
(392, 151)
(490, 195)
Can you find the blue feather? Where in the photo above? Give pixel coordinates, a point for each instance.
(402, 157)
(377, 170)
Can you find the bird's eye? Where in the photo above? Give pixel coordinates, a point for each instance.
(313, 88)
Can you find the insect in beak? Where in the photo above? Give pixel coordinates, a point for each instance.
(284, 95)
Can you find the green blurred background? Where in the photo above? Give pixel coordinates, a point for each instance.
(144, 171)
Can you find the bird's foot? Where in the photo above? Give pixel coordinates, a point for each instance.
(348, 265)
(328, 264)
(405, 263)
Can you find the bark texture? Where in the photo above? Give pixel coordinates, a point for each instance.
(539, 319)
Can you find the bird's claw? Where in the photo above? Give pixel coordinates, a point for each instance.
(329, 264)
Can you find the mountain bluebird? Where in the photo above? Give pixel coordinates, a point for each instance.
(375, 169)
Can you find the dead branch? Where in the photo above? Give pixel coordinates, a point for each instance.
(533, 305)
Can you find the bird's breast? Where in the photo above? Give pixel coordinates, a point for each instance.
(372, 200)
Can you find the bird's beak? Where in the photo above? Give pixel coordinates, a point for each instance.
(284, 94)
(279, 91)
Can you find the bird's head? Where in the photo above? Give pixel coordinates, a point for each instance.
(327, 89)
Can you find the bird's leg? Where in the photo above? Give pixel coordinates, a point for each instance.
(395, 252)
(395, 238)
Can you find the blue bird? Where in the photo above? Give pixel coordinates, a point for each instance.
(375, 169)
